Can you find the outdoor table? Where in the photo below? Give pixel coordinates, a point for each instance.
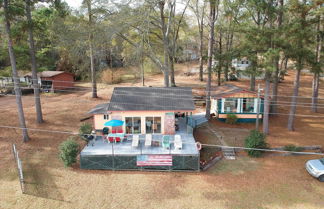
(120, 135)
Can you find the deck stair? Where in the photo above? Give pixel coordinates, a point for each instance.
(228, 153)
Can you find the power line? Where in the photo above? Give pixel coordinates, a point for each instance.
(204, 90)
(207, 145)
(39, 130)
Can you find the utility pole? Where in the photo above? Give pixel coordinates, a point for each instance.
(258, 109)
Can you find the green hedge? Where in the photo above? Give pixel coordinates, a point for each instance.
(231, 119)
(256, 139)
(69, 150)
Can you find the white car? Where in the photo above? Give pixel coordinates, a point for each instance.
(316, 168)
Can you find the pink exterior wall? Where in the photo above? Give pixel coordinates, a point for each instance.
(167, 121)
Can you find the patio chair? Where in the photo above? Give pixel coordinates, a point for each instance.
(117, 139)
(113, 131)
(148, 139)
(166, 142)
(135, 141)
(120, 131)
(177, 142)
(111, 139)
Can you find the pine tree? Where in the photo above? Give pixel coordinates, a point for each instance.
(33, 63)
(12, 56)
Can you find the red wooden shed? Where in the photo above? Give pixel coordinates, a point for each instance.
(55, 80)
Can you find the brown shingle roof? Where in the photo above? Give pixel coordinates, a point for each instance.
(47, 74)
(228, 89)
(151, 98)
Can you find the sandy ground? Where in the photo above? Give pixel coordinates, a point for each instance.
(269, 182)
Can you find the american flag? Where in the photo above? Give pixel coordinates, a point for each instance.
(154, 160)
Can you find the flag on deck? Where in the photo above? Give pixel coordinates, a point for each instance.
(154, 160)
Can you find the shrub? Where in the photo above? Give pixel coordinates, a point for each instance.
(293, 148)
(68, 151)
(85, 128)
(231, 119)
(256, 139)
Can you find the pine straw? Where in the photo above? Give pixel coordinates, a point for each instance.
(276, 182)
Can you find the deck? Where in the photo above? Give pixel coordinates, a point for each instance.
(100, 154)
(102, 147)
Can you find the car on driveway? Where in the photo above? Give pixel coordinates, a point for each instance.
(316, 168)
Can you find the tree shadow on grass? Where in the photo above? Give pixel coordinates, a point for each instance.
(39, 182)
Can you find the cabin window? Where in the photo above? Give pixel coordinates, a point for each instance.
(248, 105)
(133, 125)
(106, 117)
(230, 105)
(153, 125)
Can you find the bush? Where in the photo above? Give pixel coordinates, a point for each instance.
(68, 151)
(293, 148)
(85, 128)
(256, 139)
(231, 119)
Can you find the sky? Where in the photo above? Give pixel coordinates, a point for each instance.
(74, 3)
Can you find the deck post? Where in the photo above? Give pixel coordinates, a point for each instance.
(113, 156)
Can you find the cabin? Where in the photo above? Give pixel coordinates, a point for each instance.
(231, 99)
(53, 80)
(154, 131)
(241, 64)
(145, 110)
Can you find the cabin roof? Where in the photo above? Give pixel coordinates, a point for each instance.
(48, 74)
(99, 109)
(151, 98)
(228, 90)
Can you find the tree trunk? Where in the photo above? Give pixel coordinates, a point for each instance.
(293, 104)
(220, 60)
(172, 79)
(93, 71)
(39, 115)
(275, 88)
(212, 19)
(165, 32)
(201, 52)
(316, 78)
(276, 76)
(254, 69)
(252, 82)
(21, 115)
(266, 104)
(315, 88)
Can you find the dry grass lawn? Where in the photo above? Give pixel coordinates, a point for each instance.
(270, 182)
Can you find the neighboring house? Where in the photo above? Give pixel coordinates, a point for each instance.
(53, 80)
(240, 64)
(190, 54)
(145, 109)
(230, 99)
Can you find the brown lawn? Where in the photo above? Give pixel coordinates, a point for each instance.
(269, 182)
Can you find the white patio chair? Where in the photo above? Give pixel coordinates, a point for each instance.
(148, 139)
(177, 142)
(135, 141)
